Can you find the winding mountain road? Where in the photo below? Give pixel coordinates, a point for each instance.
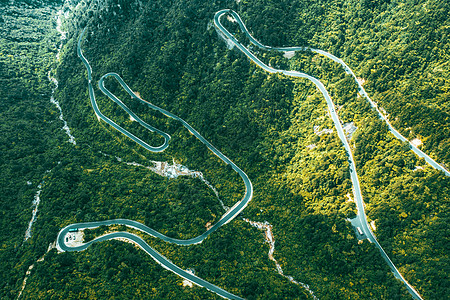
(227, 217)
(240, 205)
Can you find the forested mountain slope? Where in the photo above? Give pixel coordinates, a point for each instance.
(170, 53)
(400, 48)
(29, 128)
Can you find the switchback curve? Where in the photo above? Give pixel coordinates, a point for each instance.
(163, 261)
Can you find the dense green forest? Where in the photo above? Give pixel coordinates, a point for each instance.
(170, 53)
(30, 130)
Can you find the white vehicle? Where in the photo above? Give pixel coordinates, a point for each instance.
(359, 230)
